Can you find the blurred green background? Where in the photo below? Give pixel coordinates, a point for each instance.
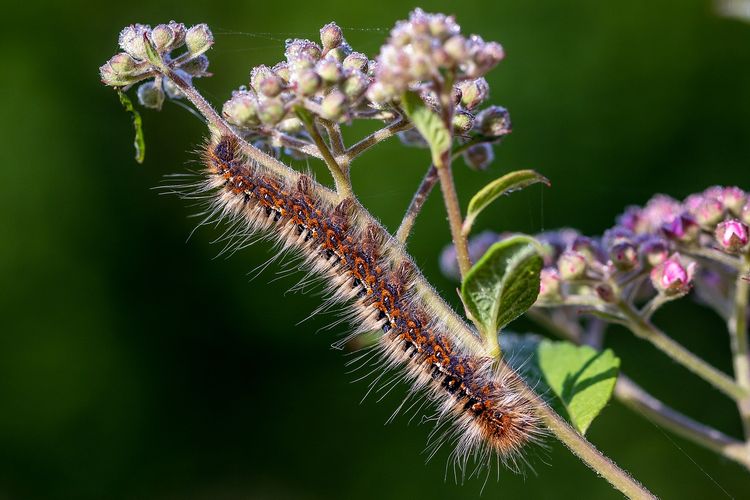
(134, 365)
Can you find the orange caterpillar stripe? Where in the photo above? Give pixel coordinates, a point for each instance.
(488, 415)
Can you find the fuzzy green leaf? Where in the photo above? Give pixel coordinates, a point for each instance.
(506, 184)
(429, 125)
(140, 142)
(504, 283)
(581, 378)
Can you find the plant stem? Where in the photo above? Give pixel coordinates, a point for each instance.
(738, 337)
(645, 329)
(297, 144)
(343, 185)
(454, 214)
(634, 397)
(424, 190)
(584, 450)
(334, 135)
(376, 137)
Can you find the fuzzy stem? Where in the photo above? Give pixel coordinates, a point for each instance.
(343, 185)
(336, 139)
(738, 338)
(584, 450)
(294, 143)
(376, 137)
(645, 329)
(424, 190)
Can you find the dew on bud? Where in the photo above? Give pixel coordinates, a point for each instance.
(473, 92)
(242, 110)
(131, 40)
(162, 36)
(494, 121)
(732, 235)
(356, 61)
(463, 122)
(271, 110)
(331, 36)
(329, 70)
(302, 49)
(355, 86)
(198, 39)
(308, 82)
(196, 66)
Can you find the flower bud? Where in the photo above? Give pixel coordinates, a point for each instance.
(571, 265)
(479, 156)
(473, 92)
(733, 199)
(151, 95)
(308, 83)
(198, 39)
(654, 250)
(549, 285)
(682, 228)
(745, 213)
(708, 212)
(178, 35)
(381, 93)
(623, 255)
(282, 71)
(605, 292)
(329, 70)
(339, 53)
(355, 85)
(242, 110)
(162, 36)
(673, 276)
(732, 235)
(587, 247)
(331, 36)
(196, 66)
(494, 121)
(333, 106)
(455, 47)
(121, 70)
(356, 61)
(271, 110)
(463, 121)
(302, 49)
(290, 126)
(131, 40)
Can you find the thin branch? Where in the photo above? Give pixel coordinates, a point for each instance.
(738, 337)
(635, 398)
(297, 144)
(343, 185)
(713, 254)
(424, 190)
(334, 136)
(376, 137)
(645, 329)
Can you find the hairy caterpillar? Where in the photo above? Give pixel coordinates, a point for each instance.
(479, 404)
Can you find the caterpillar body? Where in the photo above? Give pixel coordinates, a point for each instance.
(484, 413)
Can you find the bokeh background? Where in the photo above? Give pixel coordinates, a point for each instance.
(135, 365)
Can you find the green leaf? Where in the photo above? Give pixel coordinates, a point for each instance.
(506, 184)
(140, 142)
(504, 283)
(429, 124)
(581, 378)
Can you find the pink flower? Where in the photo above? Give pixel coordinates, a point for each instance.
(673, 276)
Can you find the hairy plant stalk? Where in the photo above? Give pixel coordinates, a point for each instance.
(646, 330)
(415, 206)
(738, 337)
(586, 451)
(296, 144)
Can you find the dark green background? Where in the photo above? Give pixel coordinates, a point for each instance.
(132, 365)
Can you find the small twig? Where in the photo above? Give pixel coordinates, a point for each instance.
(376, 137)
(645, 329)
(334, 136)
(340, 177)
(424, 190)
(713, 254)
(297, 144)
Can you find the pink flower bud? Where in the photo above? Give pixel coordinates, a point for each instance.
(623, 255)
(733, 198)
(708, 212)
(331, 36)
(571, 265)
(549, 285)
(681, 228)
(654, 250)
(673, 276)
(732, 235)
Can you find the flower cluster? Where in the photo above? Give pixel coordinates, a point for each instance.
(657, 252)
(132, 65)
